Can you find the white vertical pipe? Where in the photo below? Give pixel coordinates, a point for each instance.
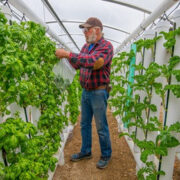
(138, 61)
(118, 118)
(167, 164)
(174, 103)
(161, 57)
(173, 111)
(165, 5)
(139, 133)
(121, 126)
(16, 108)
(127, 49)
(35, 115)
(148, 56)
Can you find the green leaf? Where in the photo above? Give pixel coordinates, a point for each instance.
(13, 141)
(123, 134)
(153, 107)
(168, 140)
(161, 151)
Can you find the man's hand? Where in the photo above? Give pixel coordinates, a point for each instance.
(98, 64)
(61, 53)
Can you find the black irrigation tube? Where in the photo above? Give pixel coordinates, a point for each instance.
(169, 82)
(25, 112)
(4, 157)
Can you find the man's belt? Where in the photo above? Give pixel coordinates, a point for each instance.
(107, 87)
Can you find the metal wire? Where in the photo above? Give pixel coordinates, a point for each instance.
(5, 2)
(23, 18)
(152, 25)
(14, 14)
(166, 17)
(174, 9)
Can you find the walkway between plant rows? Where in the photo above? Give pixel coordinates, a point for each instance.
(121, 167)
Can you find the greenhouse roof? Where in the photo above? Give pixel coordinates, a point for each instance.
(120, 18)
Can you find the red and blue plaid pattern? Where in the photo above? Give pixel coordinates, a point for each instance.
(89, 78)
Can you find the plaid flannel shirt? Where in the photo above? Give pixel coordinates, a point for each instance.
(89, 78)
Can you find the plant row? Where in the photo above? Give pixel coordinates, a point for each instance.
(27, 79)
(132, 101)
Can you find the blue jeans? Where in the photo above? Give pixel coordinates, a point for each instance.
(95, 103)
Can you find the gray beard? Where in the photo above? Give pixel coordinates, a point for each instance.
(92, 38)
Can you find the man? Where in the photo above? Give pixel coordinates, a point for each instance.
(94, 62)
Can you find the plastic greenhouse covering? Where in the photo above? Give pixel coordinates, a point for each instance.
(145, 35)
(120, 18)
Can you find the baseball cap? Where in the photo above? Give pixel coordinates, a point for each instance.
(92, 22)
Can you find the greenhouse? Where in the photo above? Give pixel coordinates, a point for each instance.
(89, 90)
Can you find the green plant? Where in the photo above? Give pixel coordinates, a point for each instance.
(135, 110)
(27, 59)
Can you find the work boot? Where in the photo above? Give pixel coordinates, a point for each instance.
(80, 156)
(103, 162)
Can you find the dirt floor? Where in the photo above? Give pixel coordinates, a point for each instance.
(121, 167)
(176, 174)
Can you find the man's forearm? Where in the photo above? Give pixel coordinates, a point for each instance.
(61, 53)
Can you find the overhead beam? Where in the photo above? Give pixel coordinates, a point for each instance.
(79, 22)
(129, 5)
(52, 11)
(113, 40)
(22, 7)
(164, 6)
(78, 34)
(75, 34)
